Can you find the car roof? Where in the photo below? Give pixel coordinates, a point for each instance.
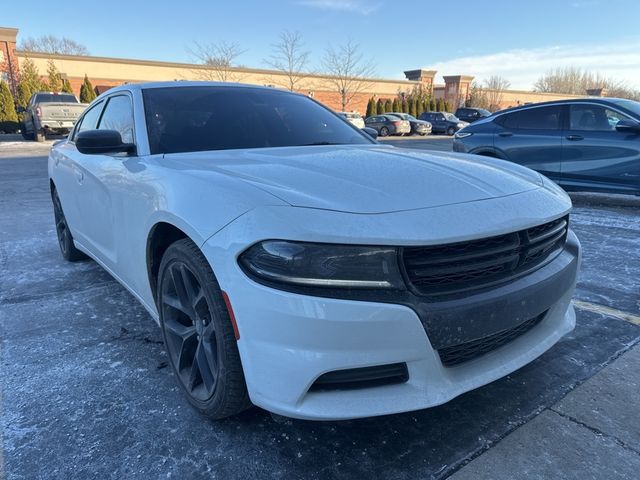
(601, 100)
(188, 83)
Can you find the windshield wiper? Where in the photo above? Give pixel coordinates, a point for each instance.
(319, 143)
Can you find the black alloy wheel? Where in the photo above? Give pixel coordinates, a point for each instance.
(65, 239)
(198, 334)
(384, 131)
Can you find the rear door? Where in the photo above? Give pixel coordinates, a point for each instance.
(595, 155)
(532, 137)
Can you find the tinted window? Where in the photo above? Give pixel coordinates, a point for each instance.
(188, 119)
(89, 120)
(630, 105)
(596, 118)
(118, 115)
(543, 118)
(55, 97)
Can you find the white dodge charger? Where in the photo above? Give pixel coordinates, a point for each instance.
(294, 263)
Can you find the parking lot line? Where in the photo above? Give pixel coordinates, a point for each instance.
(612, 312)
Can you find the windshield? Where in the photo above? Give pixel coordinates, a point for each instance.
(630, 105)
(451, 117)
(483, 112)
(55, 97)
(200, 118)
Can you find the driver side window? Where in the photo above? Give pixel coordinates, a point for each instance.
(118, 115)
(88, 120)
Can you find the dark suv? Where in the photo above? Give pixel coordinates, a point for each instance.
(582, 144)
(443, 122)
(470, 115)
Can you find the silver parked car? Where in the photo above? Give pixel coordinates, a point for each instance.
(388, 125)
(353, 118)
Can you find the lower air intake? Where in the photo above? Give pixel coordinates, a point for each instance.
(365, 377)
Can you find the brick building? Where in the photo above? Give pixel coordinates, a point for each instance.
(107, 72)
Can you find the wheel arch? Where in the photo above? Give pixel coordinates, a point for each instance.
(160, 237)
(488, 152)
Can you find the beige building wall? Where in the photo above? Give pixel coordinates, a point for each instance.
(114, 71)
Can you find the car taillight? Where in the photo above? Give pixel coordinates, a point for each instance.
(397, 124)
(38, 112)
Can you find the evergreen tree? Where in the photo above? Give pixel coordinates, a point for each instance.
(395, 105)
(446, 106)
(8, 115)
(66, 86)
(88, 94)
(388, 105)
(368, 114)
(380, 105)
(432, 104)
(374, 107)
(439, 105)
(413, 107)
(405, 106)
(30, 83)
(55, 79)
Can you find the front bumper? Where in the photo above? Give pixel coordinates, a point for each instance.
(288, 340)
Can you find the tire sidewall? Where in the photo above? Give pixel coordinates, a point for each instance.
(225, 339)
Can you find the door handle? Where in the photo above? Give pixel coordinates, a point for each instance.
(575, 137)
(505, 134)
(79, 175)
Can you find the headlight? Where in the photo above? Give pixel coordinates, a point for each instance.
(463, 134)
(460, 125)
(323, 265)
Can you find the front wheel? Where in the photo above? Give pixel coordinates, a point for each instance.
(451, 131)
(384, 132)
(198, 333)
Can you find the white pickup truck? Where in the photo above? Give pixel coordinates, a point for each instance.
(50, 113)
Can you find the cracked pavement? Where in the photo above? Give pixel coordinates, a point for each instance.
(86, 392)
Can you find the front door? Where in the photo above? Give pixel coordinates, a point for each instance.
(597, 156)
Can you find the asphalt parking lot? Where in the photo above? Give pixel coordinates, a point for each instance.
(86, 391)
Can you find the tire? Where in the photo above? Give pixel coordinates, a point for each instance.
(40, 136)
(451, 131)
(65, 240)
(384, 132)
(198, 334)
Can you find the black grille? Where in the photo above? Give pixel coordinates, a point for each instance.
(365, 377)
(464, 266)
(457, 354)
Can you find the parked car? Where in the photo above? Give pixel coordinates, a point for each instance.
(50, 113)
(443, 122)
(294, 263)
(419, 127)
(590, 144)
(353, 118)
(388, 125)
(471, 114)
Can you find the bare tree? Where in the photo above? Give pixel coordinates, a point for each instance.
(576, 81)
(477, 96)
(494, 88)
(218, 60)
(52, 44)
(348, 71)
(290, 58)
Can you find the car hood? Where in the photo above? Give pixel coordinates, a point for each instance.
(361, 179)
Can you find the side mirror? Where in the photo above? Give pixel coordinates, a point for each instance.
(372, 132)
(96, 142)
(628, 126)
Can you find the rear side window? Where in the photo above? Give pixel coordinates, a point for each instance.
(543, 118)
(118, 115)
(89, 120)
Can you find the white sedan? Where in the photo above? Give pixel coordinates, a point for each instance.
(294, 263)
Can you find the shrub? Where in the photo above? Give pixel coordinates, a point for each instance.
(7, 105)
(395, 105)
(380, 106)
(88, 94)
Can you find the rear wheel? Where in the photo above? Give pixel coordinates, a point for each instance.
(65, 239)
(198, 333)
(384, 131)
(40, 136)
(451, 131)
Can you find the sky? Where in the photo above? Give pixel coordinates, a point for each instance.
(518, 40)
